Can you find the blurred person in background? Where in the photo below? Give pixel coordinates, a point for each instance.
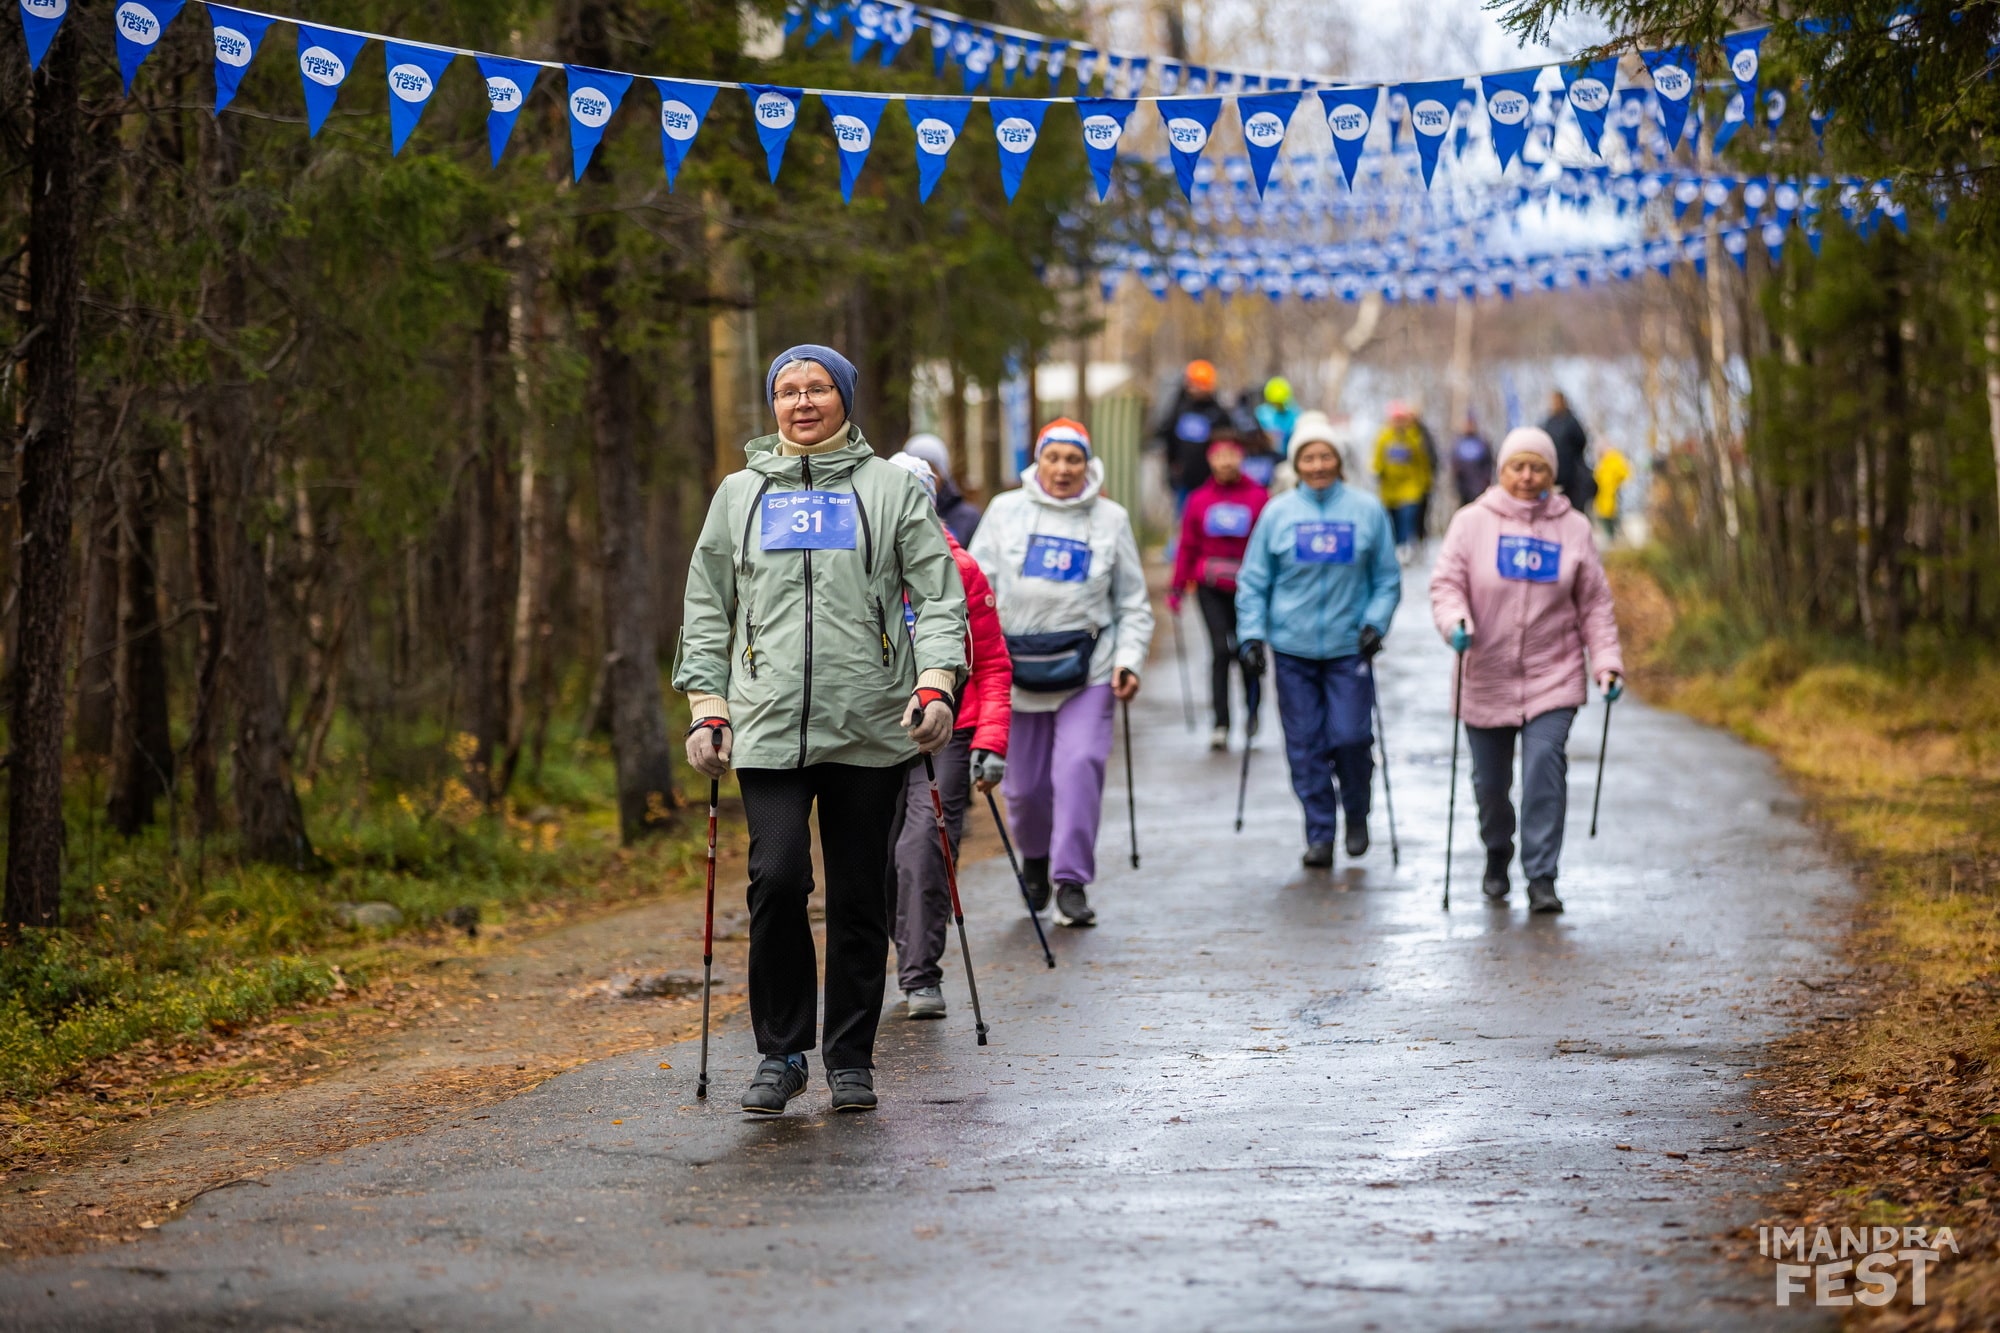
(1471, 463)
(1403, 469)
(959, 514)
(1613, 470)
(1573, 477)
(1191, 422)
(1214, 531)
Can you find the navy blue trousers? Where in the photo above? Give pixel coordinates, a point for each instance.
(1324, 706)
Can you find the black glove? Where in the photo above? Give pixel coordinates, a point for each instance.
(1252, 654)
(1371, 642)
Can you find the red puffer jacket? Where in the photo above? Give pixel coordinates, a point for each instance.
(988, 702)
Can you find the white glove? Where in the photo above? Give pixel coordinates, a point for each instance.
(928, 719)
(987, 769)
(709, 742)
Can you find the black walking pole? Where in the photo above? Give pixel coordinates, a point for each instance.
(1388, 795)
(1019, 878)
(1131, 800)
(951, 882)
(708, 940)
(1602, 741)
(1451, 805)
(1253, 697)
(1180, 656)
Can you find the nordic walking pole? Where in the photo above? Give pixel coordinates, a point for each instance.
(1253, 695)
(1388, 794)
(957, 909)
(1451, 805)
(1180, 656)
(708, 940)
(1131, 800)
(1019, 878)
(1602, 741)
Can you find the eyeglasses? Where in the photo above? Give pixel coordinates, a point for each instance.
(816, 394)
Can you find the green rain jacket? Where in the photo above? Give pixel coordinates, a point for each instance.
(810, 646)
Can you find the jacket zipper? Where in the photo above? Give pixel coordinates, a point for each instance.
(882, 628)
(805, 706)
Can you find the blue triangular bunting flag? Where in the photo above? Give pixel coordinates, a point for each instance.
(508, 83)
(326, 56)
(1589, 89)
(1745, 53)
(937, 123)
(1017, 124)
(137, 24)
(237, 37)
(854, 122)
(40, 20)
(594, 95)
(683, 106)
(1350, 114)
(1673, 73)
(1103, 126)
(1510, 98)
(414, 72)
(1431, 106)
(1265, 117)
(776, 111)
(1189, 122)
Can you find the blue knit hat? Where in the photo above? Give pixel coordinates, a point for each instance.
(837, 367)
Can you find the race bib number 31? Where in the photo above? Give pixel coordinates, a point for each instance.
(1530, 559)
(1324, 543)
(1061, 559)
(810, 521)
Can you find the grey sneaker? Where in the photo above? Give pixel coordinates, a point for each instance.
(776, 1082)
(852, 1089)
(925, 1002)
(1072, 907)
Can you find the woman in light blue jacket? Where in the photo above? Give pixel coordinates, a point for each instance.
(1319, 585)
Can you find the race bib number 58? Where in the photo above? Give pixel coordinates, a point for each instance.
(1060, 559)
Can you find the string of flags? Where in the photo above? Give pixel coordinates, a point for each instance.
(1424, 114)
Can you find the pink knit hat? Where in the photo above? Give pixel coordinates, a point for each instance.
(1527, 440)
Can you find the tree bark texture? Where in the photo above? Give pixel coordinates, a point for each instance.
(35, 835)
(142, 748)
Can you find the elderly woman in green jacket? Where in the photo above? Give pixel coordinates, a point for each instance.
(799, 672)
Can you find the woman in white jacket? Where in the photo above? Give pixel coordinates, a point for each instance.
(1072, 598)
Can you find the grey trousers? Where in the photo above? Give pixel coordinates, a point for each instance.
(921, 904)
(1544, 788)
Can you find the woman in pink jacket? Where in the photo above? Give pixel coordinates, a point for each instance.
(1520, 591)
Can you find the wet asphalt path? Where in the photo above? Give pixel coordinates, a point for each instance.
(1253, 1098)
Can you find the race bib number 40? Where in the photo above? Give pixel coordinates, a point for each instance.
(1530, 559)
(1060, 559)
(810, 521)
(1324, 543)
(1226, 520)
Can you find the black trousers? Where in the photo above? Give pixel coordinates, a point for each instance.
(1218, 613)
(857, 817)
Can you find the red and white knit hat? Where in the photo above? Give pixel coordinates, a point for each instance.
(1064, 431)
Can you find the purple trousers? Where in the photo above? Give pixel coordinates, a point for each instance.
(1055, 782)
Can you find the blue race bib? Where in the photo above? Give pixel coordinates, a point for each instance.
(1323, 543)
(1260, 468)
(1193, 427)
(1060, 559)
(1399, 453)
(810, 521)
(1530, 559)
(1226, 520)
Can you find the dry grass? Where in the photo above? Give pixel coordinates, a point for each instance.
(1893, 1090)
